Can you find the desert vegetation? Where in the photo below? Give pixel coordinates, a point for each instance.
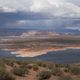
(11, 69)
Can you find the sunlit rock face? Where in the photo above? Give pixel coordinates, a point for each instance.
(39, 34)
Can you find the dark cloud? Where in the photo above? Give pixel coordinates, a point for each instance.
(36, 21)
(6, 17)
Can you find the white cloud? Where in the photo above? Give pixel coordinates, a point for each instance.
(16, 4)
(7, 9)
(74, 28)
(57, 8)
(21, 22)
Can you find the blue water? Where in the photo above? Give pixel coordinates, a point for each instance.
(4, 54)
(66, 56)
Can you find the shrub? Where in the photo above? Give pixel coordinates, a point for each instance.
(59, 65)
(44, 65)
(22, 62)
(41, 64)
(66, 70)
(8, 76)
(43, 75)
(2, 64)
(35, 67)
(4, 75)
(2, 70)
(65, 78)
(56, 72)
(75, 70)
(10, 62)
(20, 71)
(67, 66)
(29, 66)
(50, 66)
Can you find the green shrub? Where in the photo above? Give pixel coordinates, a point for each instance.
(65, 78)
(41, 64)
(20, 71)
(67, 66)
(43, 75)
(4, 75)
(9, 62)
(29, 66)
(2, 70)
(50, 66)
(8, 76)
(22, 62)
(75, 70)
(35, 67)
(66, 70)
(2, 64)
(44, 65)
(59, 65)
(56, 72)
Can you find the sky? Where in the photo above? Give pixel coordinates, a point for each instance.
(40, 14)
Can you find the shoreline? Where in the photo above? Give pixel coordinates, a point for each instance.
(26, 53)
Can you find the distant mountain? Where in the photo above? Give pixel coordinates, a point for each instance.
(11, 32)
(36, 32)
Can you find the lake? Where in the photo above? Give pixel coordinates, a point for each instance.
(65, 56)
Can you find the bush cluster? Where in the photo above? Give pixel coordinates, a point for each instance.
(43, 75)
(35, 67)
(4, 75)
(66, 77)
(57, 71)
(75, 70)
(20, 71)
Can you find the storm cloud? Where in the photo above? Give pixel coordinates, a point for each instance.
(40, 14)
